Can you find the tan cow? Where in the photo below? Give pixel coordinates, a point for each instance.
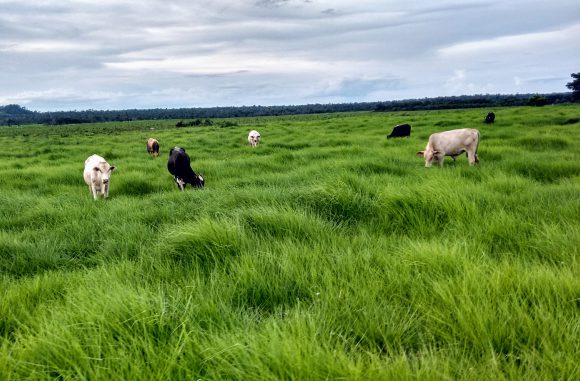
(153, 147)
(97, 174)
(451, 143)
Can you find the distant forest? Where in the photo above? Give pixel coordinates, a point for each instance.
(16, 115)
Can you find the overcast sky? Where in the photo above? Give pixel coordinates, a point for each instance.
(118, 54)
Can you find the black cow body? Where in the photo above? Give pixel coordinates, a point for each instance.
(490, 118)
(179, 166)
(400, 131)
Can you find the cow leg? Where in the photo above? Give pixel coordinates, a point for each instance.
(93, 191)
(180, 184)
(472, 158)
(106, 191)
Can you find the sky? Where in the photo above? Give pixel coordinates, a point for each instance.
(121, 54)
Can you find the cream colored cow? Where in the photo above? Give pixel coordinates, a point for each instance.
(451, 143)
(97, 174)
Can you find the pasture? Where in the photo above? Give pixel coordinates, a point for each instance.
(327, 252)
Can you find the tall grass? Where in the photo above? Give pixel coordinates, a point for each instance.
(327, 252)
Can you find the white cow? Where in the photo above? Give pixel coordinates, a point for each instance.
(451, 143)
(97, 174)
(254, 138)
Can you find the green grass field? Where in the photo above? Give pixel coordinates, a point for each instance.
(328, 252)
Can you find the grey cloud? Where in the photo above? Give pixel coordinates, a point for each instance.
(320, 50)
(271, 3)
(279, 3)
(543, 80)
(359, 87)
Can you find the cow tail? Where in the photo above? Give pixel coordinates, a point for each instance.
(477, 147)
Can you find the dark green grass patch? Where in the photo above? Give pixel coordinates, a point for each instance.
(543, 143)
(448, 123)
(275, 223)
(289, 146)
(263, 283)
(392, 167)
(570, 121)
(546, 171)
(203, 243)
(135, 184)
(345, 200)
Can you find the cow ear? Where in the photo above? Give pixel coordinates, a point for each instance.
(420, 153)
(96, 169)
(112, 168)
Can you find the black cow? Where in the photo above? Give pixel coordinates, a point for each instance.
(179, 166)
(490, 118)
(400, 131)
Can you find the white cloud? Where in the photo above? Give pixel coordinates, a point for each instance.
(221, 64)
(45, 46)
(521, 42)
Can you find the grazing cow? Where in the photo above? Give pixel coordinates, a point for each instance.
(179, 166)
(400, 131)
(451, 143)
(490, 118)
(254, 138)
(97, 174)
(153, 147)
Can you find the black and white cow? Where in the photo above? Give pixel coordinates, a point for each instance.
(179, 166)
(400, 131)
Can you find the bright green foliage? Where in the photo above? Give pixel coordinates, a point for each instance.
(327, 252)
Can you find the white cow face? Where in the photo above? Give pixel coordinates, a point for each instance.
(104, 170)
(254, 138)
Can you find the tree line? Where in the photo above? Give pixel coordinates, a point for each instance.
(16, 115)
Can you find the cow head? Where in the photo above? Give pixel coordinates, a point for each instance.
(254, 138)
(429, 155)
(104, 170)
(198, 181)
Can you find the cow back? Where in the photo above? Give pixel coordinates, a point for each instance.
(401, 130)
